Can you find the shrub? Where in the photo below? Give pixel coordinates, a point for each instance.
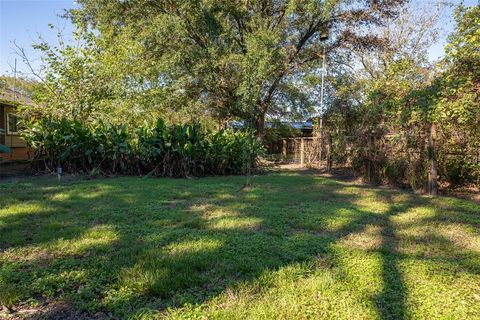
(394, 171)
(458, 171)
(175, 151)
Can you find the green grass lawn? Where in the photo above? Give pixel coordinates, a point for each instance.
(291, 246)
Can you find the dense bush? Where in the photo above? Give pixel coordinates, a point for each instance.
(460, 170)
(174, 151)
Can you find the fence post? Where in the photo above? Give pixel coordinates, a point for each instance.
(329, 153)
(369, 159)
(302, 155)
(432, 159)
(320, 142)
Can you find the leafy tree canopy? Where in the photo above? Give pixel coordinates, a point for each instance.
(235, 58)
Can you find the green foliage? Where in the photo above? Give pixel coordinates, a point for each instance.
(9, 295)
(24, 86)
(462, 52)
(404, 97)
(226, 59)
(75, 86)
(177, 150)
(457, 110)
(458, 171)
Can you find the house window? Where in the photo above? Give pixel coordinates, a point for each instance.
(12, 123)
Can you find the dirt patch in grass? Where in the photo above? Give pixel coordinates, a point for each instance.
(463, 192)
(52, 311)
(369, 239)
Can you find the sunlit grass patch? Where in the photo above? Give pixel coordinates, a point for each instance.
(22, 208)
(95, 238)
(368, 239)
(291, 246)
(231, 223)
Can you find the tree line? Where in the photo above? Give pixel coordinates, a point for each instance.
(132, 62)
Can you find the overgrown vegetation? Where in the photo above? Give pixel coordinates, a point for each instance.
(404, 118)
(391, 112)
(173, 151)
(291, 246)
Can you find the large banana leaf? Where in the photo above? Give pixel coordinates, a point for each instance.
(173, 150)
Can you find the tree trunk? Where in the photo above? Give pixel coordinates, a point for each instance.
(302, 152)
(260, 127)
(284, 149)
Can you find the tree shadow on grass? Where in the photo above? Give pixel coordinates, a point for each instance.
(179, 242)
(391, 302)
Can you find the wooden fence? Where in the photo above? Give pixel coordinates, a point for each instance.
(306, 151)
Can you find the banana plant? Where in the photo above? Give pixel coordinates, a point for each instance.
(175, 150)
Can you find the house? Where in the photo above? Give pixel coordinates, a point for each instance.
(9, 136)
(304, 128)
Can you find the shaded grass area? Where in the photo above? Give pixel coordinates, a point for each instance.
(291, 246)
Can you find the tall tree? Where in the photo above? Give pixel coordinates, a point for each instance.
(231, 58)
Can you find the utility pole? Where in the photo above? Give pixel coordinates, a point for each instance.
(322, 89)
(323, 37)
(15, 81)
